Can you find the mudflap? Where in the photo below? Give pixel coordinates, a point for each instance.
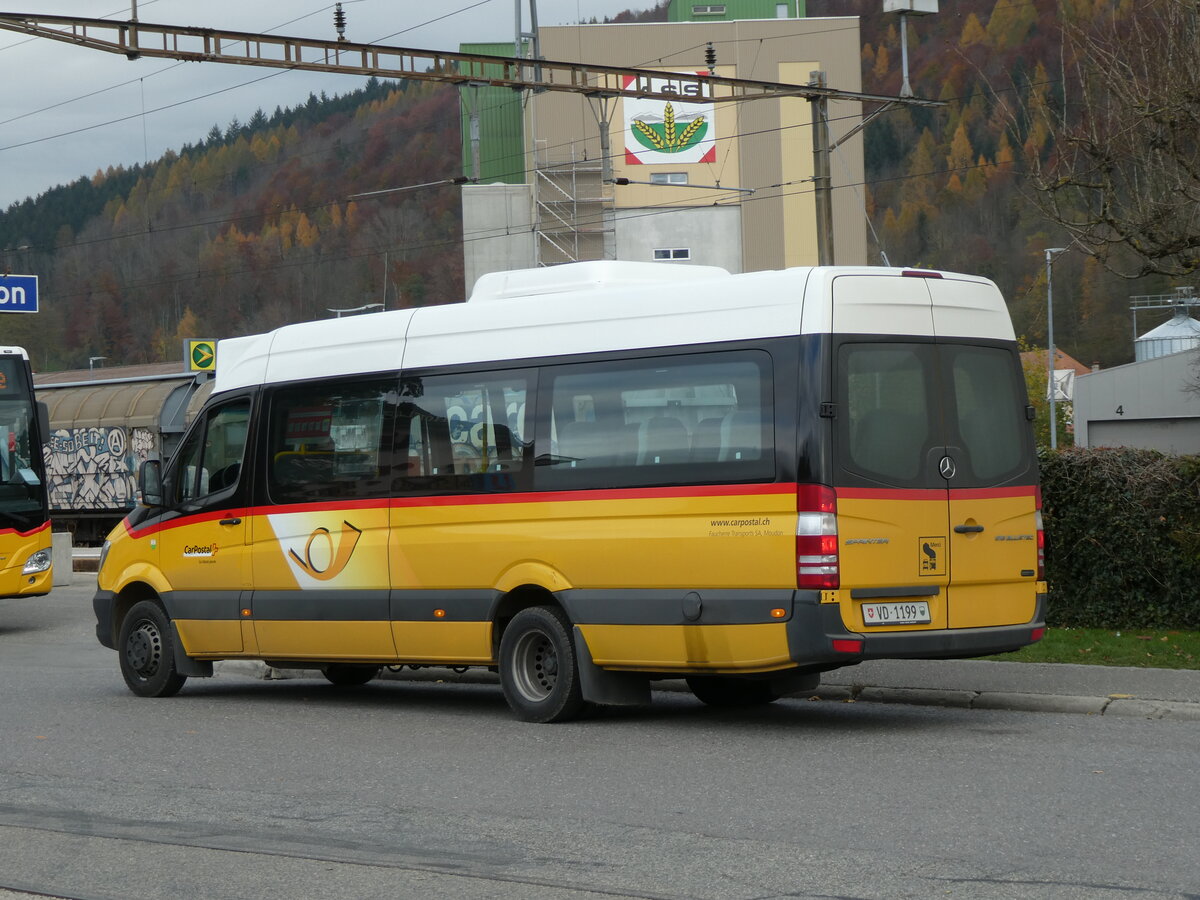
(185, 665)
(606, 688)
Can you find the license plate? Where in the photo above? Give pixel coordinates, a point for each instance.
(913, 612)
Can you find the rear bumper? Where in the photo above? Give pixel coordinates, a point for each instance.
(815, 626)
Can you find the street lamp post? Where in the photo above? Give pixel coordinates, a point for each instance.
(1051, 252)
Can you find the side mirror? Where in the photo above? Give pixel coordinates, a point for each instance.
(150, 483)
(43, 416)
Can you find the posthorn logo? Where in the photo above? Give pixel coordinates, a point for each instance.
(324, 558)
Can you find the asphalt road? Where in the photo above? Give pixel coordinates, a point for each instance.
(239, 788)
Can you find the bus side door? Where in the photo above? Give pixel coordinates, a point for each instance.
(202, 541)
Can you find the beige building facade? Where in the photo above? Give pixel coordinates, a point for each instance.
(717, 183)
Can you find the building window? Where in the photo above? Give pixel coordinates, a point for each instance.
(673, 253)
(709, 9)
(668, 177)
(781, 11)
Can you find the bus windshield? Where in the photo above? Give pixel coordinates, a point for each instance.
(22, 489)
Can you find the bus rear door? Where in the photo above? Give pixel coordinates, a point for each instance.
(992, 467)
(935, 472)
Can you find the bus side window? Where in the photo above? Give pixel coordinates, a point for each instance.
(462, 432)
(688, 418)
(327, 440)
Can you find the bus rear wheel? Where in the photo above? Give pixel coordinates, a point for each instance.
(539, 672)
(730, 691)
(146, 648)
(348, 675)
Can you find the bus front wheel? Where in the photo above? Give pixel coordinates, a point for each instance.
(147, 651)
(538, 669)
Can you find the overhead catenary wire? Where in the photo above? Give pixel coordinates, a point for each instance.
(279, 211)
(204, 96)
(416, 246)
(666, 207)
(176, 104)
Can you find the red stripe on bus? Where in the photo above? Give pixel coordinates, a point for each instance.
(891, 493)
(320, 506)
(698, 491)
(180, 521)
(649, 493)
(654, 493)
(1025, 490)
(30, 533)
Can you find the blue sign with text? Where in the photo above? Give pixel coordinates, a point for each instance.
(18, 294)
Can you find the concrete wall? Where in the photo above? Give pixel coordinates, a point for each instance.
(711, 233)
(1144, 404)
(497, 229)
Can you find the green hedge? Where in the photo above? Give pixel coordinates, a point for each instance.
(1122, 538)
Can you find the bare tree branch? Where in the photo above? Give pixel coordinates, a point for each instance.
(1121, 172)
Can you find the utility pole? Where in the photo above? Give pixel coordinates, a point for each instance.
(1051, 252)
(822, 179)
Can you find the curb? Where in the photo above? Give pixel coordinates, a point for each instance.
(1113, 705)
(1119, 705)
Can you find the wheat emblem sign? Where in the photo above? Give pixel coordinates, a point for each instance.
(665, 136)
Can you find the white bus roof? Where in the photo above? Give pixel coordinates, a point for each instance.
(610, 306)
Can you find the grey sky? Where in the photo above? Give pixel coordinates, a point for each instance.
(67, 111)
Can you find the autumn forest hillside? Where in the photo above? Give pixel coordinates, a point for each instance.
(250, 228)
(253, 226)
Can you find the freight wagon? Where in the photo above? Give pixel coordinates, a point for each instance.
(103, 425)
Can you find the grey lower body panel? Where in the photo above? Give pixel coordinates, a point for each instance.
(812, 626)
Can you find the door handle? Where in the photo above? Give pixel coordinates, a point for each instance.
(236, 521)
(968, 529)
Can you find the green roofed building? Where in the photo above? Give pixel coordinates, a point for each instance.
(692, 11)
(502, 155)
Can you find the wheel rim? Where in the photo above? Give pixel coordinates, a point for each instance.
(143, 649)
(535, 666)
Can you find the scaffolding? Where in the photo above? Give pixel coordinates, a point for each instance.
(574, 208)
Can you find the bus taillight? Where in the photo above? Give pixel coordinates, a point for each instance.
(816, 537)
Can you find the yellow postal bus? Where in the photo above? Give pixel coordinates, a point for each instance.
(25, 551)
(596, 475)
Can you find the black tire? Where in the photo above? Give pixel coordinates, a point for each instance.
(731, 691)
(146, 649)
(349, 675)
(539, 672)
